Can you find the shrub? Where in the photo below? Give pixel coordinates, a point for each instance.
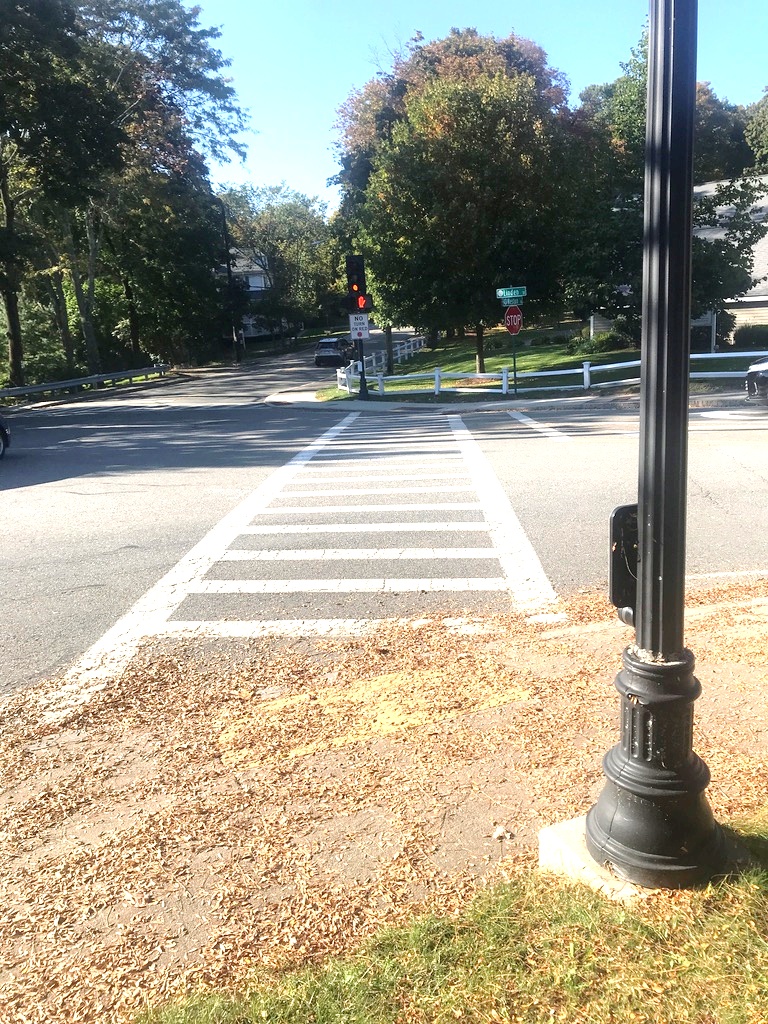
(630, 325)
(608, 341)
(751, 336)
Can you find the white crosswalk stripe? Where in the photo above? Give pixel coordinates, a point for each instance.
(272, 554)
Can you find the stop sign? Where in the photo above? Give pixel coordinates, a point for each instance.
(513, 319)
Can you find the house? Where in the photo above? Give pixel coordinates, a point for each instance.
(252, 276)
(751, 308)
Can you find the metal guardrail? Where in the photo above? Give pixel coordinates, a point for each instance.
(349, 377)
(120, 377)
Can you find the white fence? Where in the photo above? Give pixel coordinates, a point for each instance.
(585, 377)
(376, 361)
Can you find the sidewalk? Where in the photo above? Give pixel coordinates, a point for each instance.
(225, 804)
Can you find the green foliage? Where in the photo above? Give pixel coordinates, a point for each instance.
(603, 269)
(163, 60)
(720, 146)
(104, 109)
(630, 325)
(721, 149)
(606, 341)
(424, 150)
(284, 233)
(753, 336)
(757, 131)
(438, 231)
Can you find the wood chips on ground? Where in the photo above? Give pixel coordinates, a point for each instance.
(222, 806)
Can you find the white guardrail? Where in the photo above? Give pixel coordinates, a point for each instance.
(119, 377)
(348, 379)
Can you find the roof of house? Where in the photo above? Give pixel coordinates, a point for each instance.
(760, 251)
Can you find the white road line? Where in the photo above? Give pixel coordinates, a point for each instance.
(113, 651)
(455, 506)
(351, 529)
(381, 477)
(353, 554)
(364, 586)
(530, 589)
(326, 462)
(270, 627)
(353, 491)
(542, 428)
(437, 444)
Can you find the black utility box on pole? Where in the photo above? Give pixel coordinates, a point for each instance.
(652, 823)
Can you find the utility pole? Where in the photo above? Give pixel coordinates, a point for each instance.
(230, 282)
(652, 823)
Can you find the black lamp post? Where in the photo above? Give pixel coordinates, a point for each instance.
(652, 823)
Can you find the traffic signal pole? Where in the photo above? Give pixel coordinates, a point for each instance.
(652, 823)
(359, 302)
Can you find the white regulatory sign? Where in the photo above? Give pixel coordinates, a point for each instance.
(358, 326)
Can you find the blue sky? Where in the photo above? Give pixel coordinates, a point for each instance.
(295, 61)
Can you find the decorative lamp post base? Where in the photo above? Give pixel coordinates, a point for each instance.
(652, 824)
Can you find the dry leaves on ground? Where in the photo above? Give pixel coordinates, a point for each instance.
(216, 809)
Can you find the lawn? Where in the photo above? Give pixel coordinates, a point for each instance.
(533, 353)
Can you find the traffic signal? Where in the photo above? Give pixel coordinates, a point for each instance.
(355, 278)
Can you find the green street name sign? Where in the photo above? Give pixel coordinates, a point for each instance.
(511, 293)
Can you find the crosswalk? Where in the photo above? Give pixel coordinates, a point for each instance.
(378, 518)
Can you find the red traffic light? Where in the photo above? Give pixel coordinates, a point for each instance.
(355, 266)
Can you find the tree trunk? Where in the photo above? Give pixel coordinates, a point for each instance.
(133, 320)
(61, 316)
(480, 357)
(84, 295)
(15, 345)
(10, 277)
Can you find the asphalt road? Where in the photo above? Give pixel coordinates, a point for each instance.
(202, 506)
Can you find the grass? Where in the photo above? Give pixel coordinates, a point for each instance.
(532, 950)
(541, 356)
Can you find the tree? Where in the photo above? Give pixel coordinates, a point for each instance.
(452, 172)
(604, 268)
(58, 125)
(441, 228)
(757, 131)
(164, 58)
(286, 233)
(720, 146)
(175, 102)
(161, 241)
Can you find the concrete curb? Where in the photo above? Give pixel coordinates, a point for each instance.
(307, 399)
